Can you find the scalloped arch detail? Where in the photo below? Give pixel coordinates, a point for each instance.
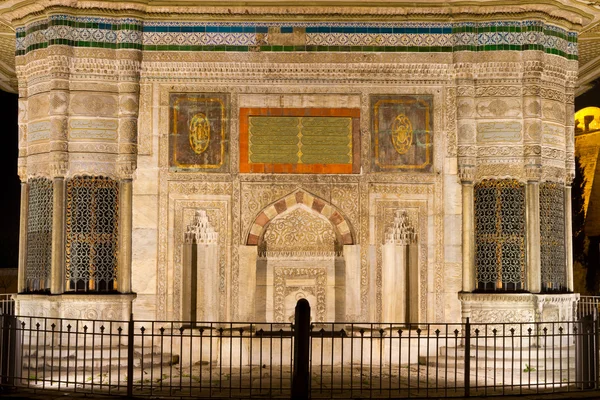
(300, 197)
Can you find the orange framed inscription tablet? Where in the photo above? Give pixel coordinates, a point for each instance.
(300, 140)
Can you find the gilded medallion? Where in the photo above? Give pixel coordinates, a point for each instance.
(199, 133)
(402, 134)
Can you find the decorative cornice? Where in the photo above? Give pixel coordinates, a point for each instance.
(572, 14)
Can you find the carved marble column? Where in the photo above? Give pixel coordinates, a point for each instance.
(200, 275)
(570, 173)
(22, 271)
(22, 171)
(125, 226)
(467, 153)
(568, 238)
(397, 292)
(59, 165)
(466, 174)
(57, 270)
(532, 216)
(128, 66)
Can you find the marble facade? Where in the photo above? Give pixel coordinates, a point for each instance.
(260, 159)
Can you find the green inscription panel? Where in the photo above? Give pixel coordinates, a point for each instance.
(300, 140)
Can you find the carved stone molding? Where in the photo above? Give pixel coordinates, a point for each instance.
(385, 208)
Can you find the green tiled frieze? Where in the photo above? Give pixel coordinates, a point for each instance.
(296, 37)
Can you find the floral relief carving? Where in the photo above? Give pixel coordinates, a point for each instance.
(451, 122)
(498, 107)
(554, 111)
(299, 231)
(101, 105)
(38, 106)
(281, 289)
(501, 316)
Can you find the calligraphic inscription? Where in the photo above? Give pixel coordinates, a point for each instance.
(299, 140)
(198, 131)
(402, 132)
(499, 131)
(94, 129)
(553, 134)
(39, 131)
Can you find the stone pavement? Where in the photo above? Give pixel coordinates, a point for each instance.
(54, 395)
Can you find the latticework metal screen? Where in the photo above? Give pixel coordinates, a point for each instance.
(500, 235)
(552, 236)
(39, 235)
(92, 233)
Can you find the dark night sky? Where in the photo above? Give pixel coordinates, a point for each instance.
(9, 222)
(10, 189)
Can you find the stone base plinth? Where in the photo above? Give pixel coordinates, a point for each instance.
(110, 307)
(517, 307)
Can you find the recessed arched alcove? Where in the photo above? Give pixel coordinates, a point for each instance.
(299, 242)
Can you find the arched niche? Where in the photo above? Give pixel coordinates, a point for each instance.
(304, 248)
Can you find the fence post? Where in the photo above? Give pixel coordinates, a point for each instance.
(300, 380)
(586, 355)
(7, 368)
(467, 358)
(597, 346)
(130, 329)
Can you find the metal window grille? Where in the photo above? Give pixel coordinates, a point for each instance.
(39, 235)
(552, 236)
(500, 235)
(92, 234)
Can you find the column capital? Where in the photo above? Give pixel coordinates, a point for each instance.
(126, 167)
(466, 173)
(22, 169)
(533, 172)
(59, 167)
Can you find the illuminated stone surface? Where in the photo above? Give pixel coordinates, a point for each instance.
(412, 112)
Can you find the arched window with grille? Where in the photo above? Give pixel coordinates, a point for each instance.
(39, 235)
(92, 234)
(500, 235)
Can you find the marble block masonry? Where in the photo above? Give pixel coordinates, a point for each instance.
(404, 163)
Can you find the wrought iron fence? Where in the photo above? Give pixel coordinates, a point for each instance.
(346, 360)
(588, 305)
(7, 304)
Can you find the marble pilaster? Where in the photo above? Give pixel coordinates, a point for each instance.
(22, 275)
(532, 216)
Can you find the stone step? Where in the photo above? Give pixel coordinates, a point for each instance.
(532, 353)
(506, 364)
(94, 357)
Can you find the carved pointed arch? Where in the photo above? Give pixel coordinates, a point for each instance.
(301, 198)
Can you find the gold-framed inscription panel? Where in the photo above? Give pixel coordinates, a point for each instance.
(402, 127)
(198, 125)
